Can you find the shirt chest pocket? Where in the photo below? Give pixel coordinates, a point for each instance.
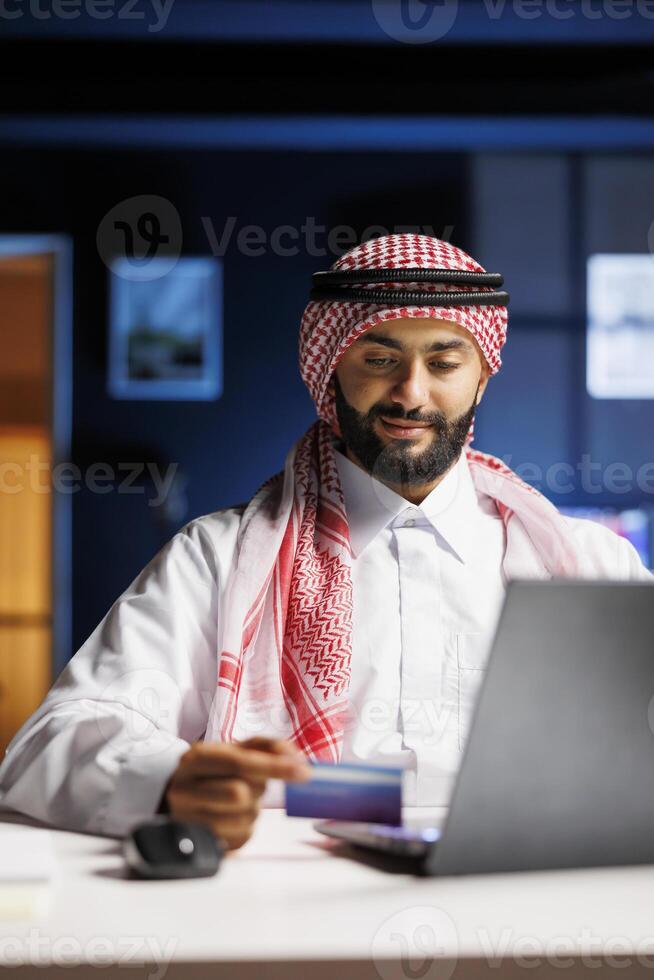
(471, 652)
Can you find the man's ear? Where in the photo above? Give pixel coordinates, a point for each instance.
(483, 381)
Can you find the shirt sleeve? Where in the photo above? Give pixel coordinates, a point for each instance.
(98, 752)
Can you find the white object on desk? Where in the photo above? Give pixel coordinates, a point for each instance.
(27, 865)
(26, 854)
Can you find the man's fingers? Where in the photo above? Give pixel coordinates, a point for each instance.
(218, 810)
(233, 796)
(277, 746)
(220, 795)
(220, 784)
(212, 786)
(258, 787)
(210, 759)
(233, 830)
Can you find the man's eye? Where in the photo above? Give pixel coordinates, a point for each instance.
(385, 361)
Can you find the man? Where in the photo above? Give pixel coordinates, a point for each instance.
(346, 612)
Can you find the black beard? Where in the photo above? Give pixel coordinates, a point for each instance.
(395, 462)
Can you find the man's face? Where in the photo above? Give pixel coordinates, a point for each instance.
(427, 371)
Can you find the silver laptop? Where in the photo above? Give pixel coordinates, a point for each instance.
(558, 769)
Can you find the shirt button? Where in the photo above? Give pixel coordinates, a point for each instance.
(410, 521)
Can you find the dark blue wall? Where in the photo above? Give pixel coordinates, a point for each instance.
(226, 448)
(533, 217)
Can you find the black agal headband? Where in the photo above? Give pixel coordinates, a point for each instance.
(340, 286)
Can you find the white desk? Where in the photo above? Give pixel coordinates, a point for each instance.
(287, 907)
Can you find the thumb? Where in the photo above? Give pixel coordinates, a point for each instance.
(276, 746)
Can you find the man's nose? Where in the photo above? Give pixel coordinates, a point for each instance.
(411, 390)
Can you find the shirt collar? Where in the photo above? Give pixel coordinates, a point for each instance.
(451, 508)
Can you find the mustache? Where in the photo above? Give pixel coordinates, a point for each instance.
(393, 413)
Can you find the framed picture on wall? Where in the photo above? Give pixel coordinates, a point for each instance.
(165, 328)
(620, 326)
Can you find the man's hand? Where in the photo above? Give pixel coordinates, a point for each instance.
(221, 783)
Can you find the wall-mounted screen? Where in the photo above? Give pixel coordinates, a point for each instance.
(620, 326)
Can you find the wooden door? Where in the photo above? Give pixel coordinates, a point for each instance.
(25, 490)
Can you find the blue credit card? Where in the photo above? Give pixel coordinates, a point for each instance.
(348, 791)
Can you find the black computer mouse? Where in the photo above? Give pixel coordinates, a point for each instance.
(169, 848)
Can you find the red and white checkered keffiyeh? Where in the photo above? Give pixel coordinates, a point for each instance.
(284, 664)
(328, 328)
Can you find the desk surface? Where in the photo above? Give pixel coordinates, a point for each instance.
(290, 898)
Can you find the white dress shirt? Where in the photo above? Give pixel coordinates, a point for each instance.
(98, 752)
(427, 590)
